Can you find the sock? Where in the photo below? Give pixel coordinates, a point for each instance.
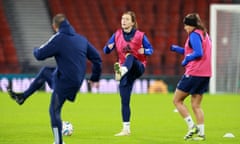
(124, 70)
(201, 129)
(56, 136)
(126, 126)
(189, 122)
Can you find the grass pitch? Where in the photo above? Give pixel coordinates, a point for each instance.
(96, 118)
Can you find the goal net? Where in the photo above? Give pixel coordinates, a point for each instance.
(225, 35)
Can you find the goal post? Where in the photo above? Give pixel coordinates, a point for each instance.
(225, 35)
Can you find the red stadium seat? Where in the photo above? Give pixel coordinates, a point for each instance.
(8, 56)
(161, 20)
(2, 57)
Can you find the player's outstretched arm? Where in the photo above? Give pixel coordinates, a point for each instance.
(177, 49)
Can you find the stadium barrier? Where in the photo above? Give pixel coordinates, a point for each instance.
(107, 84)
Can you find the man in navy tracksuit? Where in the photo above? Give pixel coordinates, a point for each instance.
(70, 51)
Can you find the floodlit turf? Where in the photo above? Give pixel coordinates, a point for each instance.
(96, 118)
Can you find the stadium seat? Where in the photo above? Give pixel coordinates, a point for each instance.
(8, 57)
(56, 6)
(2, 57)
(161, 20)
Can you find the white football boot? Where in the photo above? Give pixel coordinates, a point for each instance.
(120, 71)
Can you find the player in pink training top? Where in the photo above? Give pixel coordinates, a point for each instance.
(132, 48)
(195, 81)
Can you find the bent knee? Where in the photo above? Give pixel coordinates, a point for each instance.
(196, 107)
(177, 101)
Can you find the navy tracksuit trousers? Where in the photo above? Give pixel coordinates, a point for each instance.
(135, 70)
(46, 75)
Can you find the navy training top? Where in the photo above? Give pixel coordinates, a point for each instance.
(71, 51)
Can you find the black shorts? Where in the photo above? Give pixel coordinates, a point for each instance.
(193, 84)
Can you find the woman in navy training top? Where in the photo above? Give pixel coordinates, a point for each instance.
(132, 48)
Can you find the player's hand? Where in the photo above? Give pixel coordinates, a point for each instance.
(173, 47)
(184, 62)
(110, 46)
(141, 50)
